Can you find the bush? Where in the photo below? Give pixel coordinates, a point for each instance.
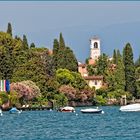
(99, 100)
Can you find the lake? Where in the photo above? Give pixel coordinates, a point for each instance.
(52, 125)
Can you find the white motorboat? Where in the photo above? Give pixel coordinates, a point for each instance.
(130, 108)
(92, 110)
(67, 109)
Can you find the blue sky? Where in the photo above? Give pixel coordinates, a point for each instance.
(115, 23)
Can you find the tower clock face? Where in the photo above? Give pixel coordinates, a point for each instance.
(95, 45)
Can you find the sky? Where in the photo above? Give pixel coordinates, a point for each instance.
(114, 22)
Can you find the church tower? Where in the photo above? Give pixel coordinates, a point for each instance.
(95, 48)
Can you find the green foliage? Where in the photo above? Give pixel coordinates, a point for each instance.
(138, 88)
(38, 68)
(102, 64)
(63, 57)
(32, 45)
(137, 63)
(55, 47)
(55, 53)
(114, 57)
(102, 91)
(61, 42)
(60, 100)
(99, 100)
(7, 57)
(13, 98)
(110, 79)
(117, 94)
(9, 29)
(78, 82)
(25, 43)
(119, 73)
(138, 73)
(64, 76)
(92, 70)
(129, 69)
(3, 97)
(42, 101)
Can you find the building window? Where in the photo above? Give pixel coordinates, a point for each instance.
(95, 45)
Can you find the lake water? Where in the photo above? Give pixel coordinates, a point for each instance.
(52, 125)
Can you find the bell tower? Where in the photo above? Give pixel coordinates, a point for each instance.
(95, 48)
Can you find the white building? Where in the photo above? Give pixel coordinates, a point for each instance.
(94, 81)
(95, 51)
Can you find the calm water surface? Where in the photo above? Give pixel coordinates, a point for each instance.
(52, 125)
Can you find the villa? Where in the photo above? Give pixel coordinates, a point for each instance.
(95, 52)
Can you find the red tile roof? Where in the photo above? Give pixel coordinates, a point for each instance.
(93, 77)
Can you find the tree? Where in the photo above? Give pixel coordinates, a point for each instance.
(114, 57)
(9, 29)
(63, 57)
(55, 53)
(137, 63)
(70, 60)
(138, 73)
(129, 70)
(61, 42)
(32, 45)
(60, 100)
(26, 90)
(102, 64)
(3, 97)
(119, 73)
(7, 59)
(138, 88)
(25, 42)
(92, 70)
(68, 91)
(55, 46)
(78, 82)
(64, 76)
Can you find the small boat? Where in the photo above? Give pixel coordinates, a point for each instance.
(67, 109)
(14, 110)
(1, 114)
(130, 108)
(92, 110)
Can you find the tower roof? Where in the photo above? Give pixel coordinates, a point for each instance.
(95, 38)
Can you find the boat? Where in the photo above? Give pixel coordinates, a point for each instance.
(14, 110)
(1, 114)
(67, 109)
(92, 110)
(130, 108)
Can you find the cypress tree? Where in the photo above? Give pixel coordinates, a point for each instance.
(55, 53)
(129, 69)
(119, 73)
(63, 57)
(25, 42)
(70, 60)
(137, 63)
(55, 47)
(102, 64)
(32, 45)
(61, 42)
(9, 29)
(114, 57)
